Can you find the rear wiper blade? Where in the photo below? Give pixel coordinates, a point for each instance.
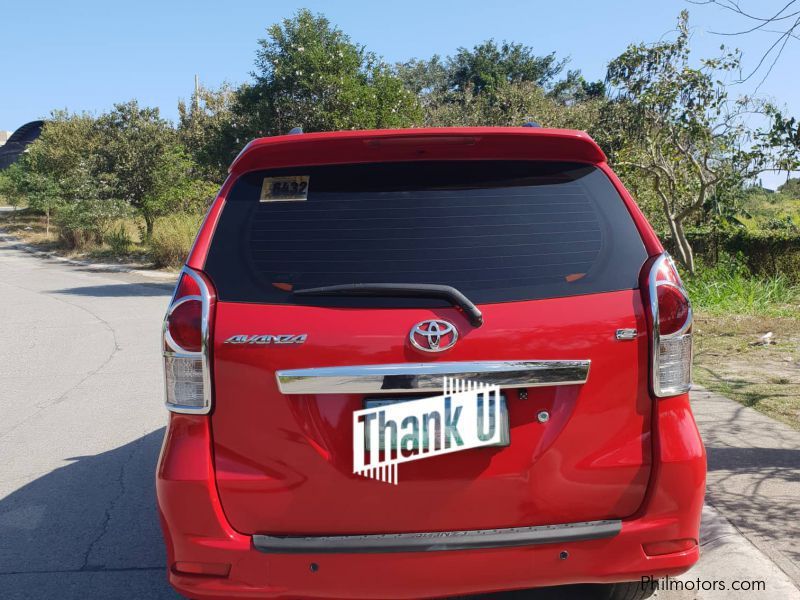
(404, 290)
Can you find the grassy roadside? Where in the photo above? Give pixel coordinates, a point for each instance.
(734, 353)
(731, 358)
(32, 230)
(171, 241)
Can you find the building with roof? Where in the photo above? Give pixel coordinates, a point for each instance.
(18, 141)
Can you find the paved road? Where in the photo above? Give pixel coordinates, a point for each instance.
(81, 423)
(753, 475)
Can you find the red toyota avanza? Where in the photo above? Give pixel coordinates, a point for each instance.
(342, 273)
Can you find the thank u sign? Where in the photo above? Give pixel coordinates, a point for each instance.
(467, 415)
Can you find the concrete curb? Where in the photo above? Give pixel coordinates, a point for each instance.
(11, 241)
(727, 557)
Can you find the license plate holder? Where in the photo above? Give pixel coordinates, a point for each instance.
(505, 436)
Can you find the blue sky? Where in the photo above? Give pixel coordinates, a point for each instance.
(88, 55)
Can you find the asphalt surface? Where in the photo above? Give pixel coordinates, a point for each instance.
(81, 424)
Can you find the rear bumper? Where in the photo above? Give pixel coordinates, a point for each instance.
(199, 538)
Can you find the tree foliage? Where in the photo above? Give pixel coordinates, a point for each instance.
(489, 67)
(137, 145)
(205, 128)
(144, 164)
(310, 74)
(681, 144)
(90, 171)
(679, 128)
(791, 188)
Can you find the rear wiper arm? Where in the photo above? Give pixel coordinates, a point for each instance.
(403, 290)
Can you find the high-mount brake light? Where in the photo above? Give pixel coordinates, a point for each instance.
(671, 311)
(185, 345)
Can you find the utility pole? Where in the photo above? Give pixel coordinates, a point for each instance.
(196, 92)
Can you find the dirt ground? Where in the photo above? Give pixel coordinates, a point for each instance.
(732, 357)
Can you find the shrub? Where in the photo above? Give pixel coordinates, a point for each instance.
(173, 237)
(119, 239)
(87, 222)
(766, 252)
(729, 287)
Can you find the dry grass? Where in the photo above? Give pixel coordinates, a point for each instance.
(173, 237)
(730, 359)
(31, 229)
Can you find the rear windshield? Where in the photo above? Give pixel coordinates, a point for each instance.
(497, 231)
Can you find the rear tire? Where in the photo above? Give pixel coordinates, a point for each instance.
(628, 590)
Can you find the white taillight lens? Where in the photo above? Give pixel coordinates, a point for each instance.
(185, 382)
(672, 330)
(185, 346)
(675, 364)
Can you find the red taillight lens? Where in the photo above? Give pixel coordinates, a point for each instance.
(185, 325)
(673, 309)
(187, 287)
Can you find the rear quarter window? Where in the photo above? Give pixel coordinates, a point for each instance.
(498, 231)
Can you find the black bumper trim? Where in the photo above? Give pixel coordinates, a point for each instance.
(438, 540)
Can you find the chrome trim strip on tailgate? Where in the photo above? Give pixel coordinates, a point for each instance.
(427, 377)
(438, 540)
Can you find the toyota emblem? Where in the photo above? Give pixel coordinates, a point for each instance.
(433, 335)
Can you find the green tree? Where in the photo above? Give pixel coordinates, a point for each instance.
(12, 190)
(310, 74)
(791, 188)
(497, 84)
(66, 151)
(136, 145)
(40, 191)
(511, 106)
(425, 78)
(575, 88)
(176, 189)
(43, 195)
(60, 178)
(680, 130)
(205, 128)
(488, 67)
(783, 138)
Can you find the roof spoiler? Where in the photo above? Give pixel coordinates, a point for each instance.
(469, 143)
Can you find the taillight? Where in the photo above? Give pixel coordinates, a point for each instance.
(187, 371)
(672, 330)
(185, 324)
(673, 308)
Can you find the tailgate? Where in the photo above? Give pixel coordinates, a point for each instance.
(551, 257)
(285, 462)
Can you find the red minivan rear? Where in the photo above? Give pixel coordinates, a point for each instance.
(338, 272)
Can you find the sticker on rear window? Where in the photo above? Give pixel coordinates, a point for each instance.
(281, 189)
